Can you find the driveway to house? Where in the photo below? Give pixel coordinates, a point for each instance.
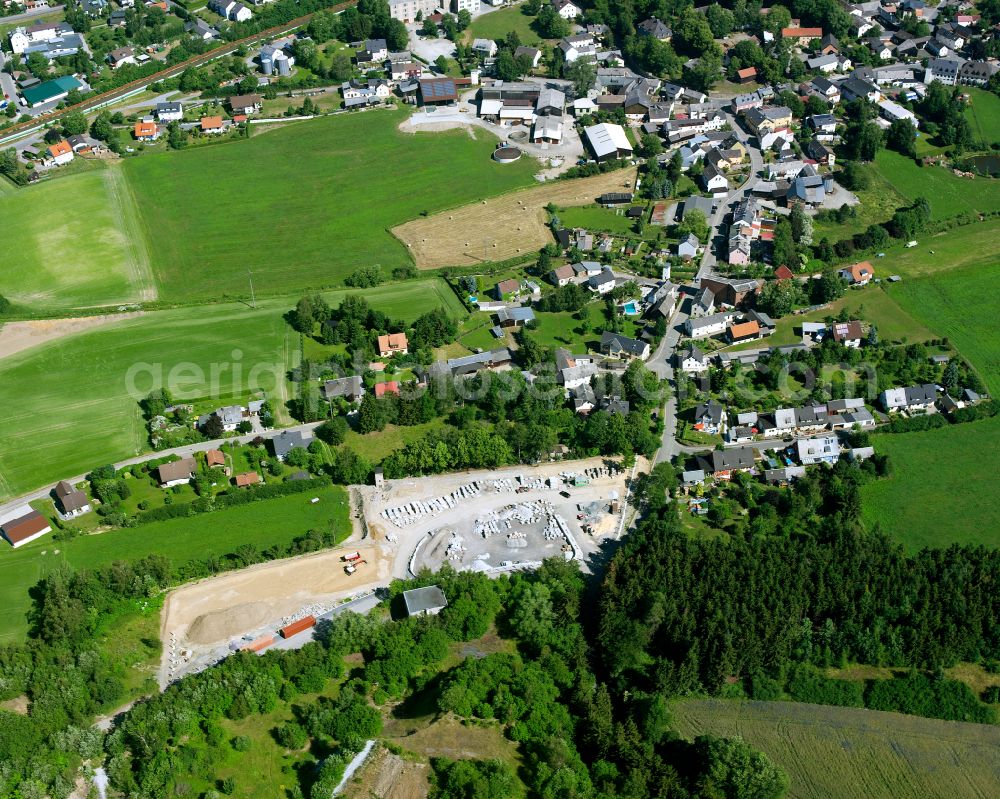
(183, 452)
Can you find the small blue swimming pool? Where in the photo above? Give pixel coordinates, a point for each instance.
(630, 309)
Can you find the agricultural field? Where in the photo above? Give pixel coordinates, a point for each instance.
(955, 305)
(941, 490)
(948, 194)
(502, 228)
(71, 406)
(871, 304)
(303, 205)
(849, 753)
(260, 524)
(497, 24)
(78, 243)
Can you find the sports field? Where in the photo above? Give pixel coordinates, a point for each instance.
(260, 524)
(948, 194)
(849, 753)
(74, 242)
(70, 407)
(943, 487)
(304, 205)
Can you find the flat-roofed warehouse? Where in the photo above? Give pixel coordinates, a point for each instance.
(608, 141)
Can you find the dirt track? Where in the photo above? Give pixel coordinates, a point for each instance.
(494, 230)
(16, 337)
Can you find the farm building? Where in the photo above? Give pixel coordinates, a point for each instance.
(23, 526)
(427, 601)
(608, 141)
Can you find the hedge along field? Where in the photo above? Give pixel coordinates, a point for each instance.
(68, 406)
(306, 204)
(261, 524)
(78, 243)
(943, 487)
(850, 753)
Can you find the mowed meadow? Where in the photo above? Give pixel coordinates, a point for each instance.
(71, 404)
(851, 753)
(304, 205)
(74, 242)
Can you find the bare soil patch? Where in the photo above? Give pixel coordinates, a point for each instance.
(19, 705)
(501, 228)
(16, 337)
(224, 607)
(388, 776)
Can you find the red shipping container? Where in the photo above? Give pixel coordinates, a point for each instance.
(297, 626)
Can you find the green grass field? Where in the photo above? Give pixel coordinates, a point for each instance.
(849, 753)
(596, 219)
(261, 524)
(942, 489)
(304, 205)
(983, 114)
(69, 404)
(878, 203)
(956, 304)
(77, 243)
(497, 24)
(968, 246)
(948, 195)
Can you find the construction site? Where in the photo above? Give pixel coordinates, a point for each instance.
(491, 521)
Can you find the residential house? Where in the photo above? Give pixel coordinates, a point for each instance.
(145, 131)
(761, 120)
(825, 89)
(733, 292)
(389, 387)
(823, 123)
(350, 388)
(849, 334)
(195, 27)
(547, 130)
(70, 501)
(655, 28)
(710, 417)
(562, 275)
(582, 398)
(858, 274)
(801, 36)
(212, 125)
(567, 9)
(824, 449)
(703, 327)
(703, 304)
(688, 247)
(747, 75)
(427, 601)
(393, 344)
(722, 463)
(911, 398)
(601, 283)
(820, 153)
(471, 364)
(713, 181)
(532, 54)
(855, 88)
(892, 112)
(169, 112)
(288, 440)
(692, 360)
(60, 153)
(826, 64)
(121, 56)
(943, 70)
(618, 346)
(505, 288)
(245, 104)
(372, 51)
(176, 473)
(487, 48)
